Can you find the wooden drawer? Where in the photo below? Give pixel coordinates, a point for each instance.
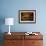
(16, 37)
(13, 42)
(33, 43)
(9, 42)
(36, 37)
(37, 43)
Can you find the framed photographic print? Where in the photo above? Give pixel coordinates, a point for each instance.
(27, 16)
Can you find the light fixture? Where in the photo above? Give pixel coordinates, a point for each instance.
(9, 21)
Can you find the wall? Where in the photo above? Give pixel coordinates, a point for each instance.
(10, 8)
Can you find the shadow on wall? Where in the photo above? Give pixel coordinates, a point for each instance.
(2, 21)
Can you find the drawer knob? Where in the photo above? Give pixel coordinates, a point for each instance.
(33, 42)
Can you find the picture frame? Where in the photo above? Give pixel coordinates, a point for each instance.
(27, 16)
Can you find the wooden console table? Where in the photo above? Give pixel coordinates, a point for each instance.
(20, 39)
